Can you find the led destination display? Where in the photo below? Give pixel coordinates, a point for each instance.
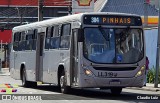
(112, 20)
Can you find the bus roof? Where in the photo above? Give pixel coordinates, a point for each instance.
(59, 20)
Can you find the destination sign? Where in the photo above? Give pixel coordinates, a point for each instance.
(112, 20)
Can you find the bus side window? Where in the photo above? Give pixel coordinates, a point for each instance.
(29, 39)
(47, 39)
(34, 37)
(15, 44)
(55, 38)
(22, 41)
(17, 38)
(65, 36)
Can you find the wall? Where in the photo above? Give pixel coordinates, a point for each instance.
(5, 36)
(151, 45)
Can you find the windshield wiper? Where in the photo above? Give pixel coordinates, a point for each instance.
(103, 34)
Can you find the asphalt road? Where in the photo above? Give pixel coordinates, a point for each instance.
(50, 93)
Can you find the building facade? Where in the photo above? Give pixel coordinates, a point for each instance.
(144, 8)
(17, 12)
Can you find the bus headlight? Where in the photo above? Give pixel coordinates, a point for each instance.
(140, 72)
(88, 72)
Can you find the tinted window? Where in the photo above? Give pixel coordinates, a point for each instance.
(55, 39)
(29, 40)
(65, 37)
(48, 35)
(25, 40)
(17, 38)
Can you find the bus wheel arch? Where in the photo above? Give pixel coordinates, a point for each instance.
(60, 70)
(62, 80)
(23, 76)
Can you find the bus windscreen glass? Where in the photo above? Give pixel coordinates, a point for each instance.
(111, 45)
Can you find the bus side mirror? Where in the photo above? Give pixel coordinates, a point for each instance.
(80, 35)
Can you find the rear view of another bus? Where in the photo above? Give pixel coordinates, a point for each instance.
(113, 51)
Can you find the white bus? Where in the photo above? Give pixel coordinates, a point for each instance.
(97, 50)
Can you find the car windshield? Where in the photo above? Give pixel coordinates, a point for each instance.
(106, 45)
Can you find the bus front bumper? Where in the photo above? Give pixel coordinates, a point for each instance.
(92, 81)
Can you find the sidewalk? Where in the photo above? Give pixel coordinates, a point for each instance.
(4, 72)
(148, 87)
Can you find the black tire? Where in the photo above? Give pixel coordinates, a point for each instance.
(116, 91)
(26, 83)
(62, 82)
(32, 84)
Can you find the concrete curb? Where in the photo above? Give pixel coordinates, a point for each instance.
(4, 74)
(145, 88)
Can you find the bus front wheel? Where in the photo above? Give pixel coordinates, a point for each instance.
(63, 86)
(116, 91)
(25, 83)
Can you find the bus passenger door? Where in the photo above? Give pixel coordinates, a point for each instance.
(39, 56)
(12, 68)
(74, 57)
(15, 57)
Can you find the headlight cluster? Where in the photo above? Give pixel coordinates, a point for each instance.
(87, 71)
(141, 71)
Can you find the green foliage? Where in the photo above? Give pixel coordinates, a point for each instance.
(151, 75)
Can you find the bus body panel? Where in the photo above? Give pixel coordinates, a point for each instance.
(126, 78)
(29, 63)
(100, 70)
(50, 64)
(12, 69)
(96, 82)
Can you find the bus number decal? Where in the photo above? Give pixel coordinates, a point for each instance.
(95, 19)
(107, 74)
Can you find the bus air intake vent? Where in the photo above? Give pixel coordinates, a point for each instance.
(115, 69)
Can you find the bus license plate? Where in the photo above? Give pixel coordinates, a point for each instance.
(114, 82)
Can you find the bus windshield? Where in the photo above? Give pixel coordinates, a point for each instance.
(112, 45)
